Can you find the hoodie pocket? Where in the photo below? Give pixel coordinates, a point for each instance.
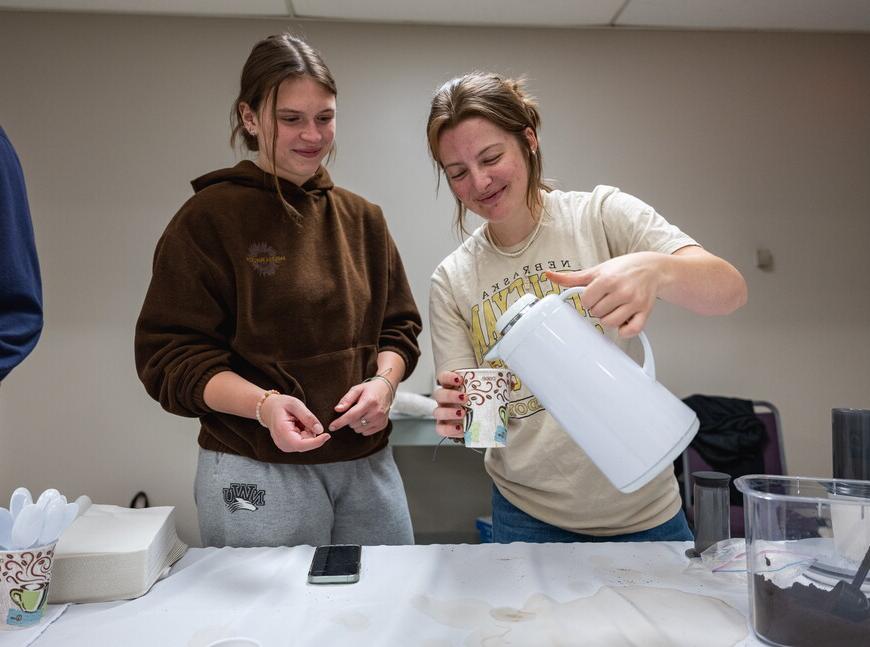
(323, 379)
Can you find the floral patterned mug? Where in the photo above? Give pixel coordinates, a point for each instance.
(24, 581)
(487, 393)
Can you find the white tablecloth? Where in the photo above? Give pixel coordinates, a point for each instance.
(438, 595)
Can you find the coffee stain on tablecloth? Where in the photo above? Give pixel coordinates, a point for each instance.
(613, 616)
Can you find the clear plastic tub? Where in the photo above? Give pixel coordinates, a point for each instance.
(803, 536)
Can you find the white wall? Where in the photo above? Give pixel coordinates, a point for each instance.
(742, 139)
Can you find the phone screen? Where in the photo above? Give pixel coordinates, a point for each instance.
(335, 563)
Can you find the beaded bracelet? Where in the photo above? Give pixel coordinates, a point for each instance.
(260, 405)
(389, 384)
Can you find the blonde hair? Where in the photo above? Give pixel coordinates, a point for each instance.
(502, 101)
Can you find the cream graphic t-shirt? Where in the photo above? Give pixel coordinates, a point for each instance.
(543, 471)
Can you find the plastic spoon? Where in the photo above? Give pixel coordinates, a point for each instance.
(20, 498)
(849, 600)
(83, 502)
(55, 512)
(27, 526)
(70, 514)
(5, 528)
(47, 497)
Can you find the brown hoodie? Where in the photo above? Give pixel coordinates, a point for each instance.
(302, 307)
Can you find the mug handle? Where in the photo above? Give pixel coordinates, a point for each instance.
(649, 362)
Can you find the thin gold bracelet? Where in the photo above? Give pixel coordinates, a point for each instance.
(260, 405)
(389, 384)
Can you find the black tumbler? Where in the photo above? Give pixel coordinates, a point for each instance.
(851, 443)
(712, 509)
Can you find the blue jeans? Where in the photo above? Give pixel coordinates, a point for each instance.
(509, 523)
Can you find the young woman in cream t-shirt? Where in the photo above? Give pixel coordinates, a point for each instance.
(482, 132)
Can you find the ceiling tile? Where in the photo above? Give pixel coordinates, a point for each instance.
(801, 15)
(166, 7)
(550, 13)
(804, 15)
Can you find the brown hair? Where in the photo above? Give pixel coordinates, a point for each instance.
(502, 101)
(272, 61)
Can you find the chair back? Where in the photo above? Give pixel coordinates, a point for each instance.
(773, 457)
(774, 454)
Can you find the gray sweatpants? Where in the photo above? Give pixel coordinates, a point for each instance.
(245, 502)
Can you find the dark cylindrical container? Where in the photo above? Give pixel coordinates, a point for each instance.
(712, 509)
(850, 440)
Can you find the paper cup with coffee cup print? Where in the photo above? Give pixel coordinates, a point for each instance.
(487, 395)
(24, 581)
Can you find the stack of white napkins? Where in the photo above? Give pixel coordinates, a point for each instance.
(114, 553)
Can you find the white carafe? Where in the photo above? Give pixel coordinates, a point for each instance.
(628, 424)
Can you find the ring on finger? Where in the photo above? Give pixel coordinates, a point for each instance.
(363, 422)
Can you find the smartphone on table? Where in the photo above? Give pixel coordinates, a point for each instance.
(335, 564)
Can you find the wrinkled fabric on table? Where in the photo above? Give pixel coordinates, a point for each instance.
(608, 593)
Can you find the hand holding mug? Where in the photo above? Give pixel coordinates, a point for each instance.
(450, 412)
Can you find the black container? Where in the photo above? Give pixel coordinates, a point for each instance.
(850, 441)
(712, 509)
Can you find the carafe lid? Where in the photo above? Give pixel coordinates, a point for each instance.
(711, 479)
(847, 420)
(514, 312)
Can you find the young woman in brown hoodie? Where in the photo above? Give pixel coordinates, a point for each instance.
(280, 315)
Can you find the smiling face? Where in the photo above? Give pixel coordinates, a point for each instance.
(305, 112)
(487, 169)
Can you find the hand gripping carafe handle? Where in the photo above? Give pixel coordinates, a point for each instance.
(649, 362)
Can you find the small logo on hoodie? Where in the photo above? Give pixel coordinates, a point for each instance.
(244, 496)
(264, 259)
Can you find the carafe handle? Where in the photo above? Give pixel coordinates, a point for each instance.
(649, 362)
